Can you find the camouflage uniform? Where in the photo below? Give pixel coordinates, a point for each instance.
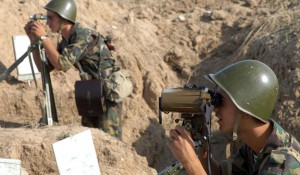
(71, 51)
(281, 155)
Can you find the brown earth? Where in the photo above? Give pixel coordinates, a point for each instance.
(163, 44)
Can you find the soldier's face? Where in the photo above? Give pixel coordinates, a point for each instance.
(226, 113)
(53, 21)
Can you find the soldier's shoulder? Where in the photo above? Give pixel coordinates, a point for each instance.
(82, 31)
(286, 157)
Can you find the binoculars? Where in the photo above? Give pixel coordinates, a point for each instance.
(191, 102)
(38, 16)
(188, 100)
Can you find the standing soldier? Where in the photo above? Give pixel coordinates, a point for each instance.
(61, 18)
(249, 91)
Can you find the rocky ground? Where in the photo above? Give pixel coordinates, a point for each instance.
(163, 44)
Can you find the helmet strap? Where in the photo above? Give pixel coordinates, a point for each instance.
(60, 28)
(235, 127)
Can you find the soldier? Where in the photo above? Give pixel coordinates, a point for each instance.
(61, 18)
(249, 91)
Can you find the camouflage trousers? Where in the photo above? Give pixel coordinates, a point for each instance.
(110, 122)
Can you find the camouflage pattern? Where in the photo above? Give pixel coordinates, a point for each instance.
(281, 155)
(112, 121)
(72, 48)
(70, 51)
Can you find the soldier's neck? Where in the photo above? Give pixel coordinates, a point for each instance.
(256, 136)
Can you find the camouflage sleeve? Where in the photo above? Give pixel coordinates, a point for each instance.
(72, 52)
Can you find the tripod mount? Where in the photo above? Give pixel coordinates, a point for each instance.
(49, 109)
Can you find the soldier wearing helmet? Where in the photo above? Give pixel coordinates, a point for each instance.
(61, 18)
(249, 91)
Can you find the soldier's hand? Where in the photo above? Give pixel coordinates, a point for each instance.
(37, 29)
(27, 29)
(181, 144)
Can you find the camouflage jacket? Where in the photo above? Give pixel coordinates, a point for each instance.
(71, 51)
(281, 155)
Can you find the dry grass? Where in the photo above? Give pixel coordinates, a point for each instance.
(273, 24)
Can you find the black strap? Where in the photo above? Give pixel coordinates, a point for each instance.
(90, 47)
(101, 46)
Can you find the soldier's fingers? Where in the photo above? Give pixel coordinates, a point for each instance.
(36, 25)
(174, 134)
(185, 133)
(27, 26)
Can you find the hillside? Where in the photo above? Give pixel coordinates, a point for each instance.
(163, 44)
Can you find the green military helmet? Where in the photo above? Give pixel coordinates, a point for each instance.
(64, 8)
(252, 86)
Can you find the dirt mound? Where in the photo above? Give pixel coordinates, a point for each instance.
(33, 144)
(163, 44)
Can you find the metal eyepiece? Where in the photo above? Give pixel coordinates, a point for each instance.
(38, 16)
(217, 100)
